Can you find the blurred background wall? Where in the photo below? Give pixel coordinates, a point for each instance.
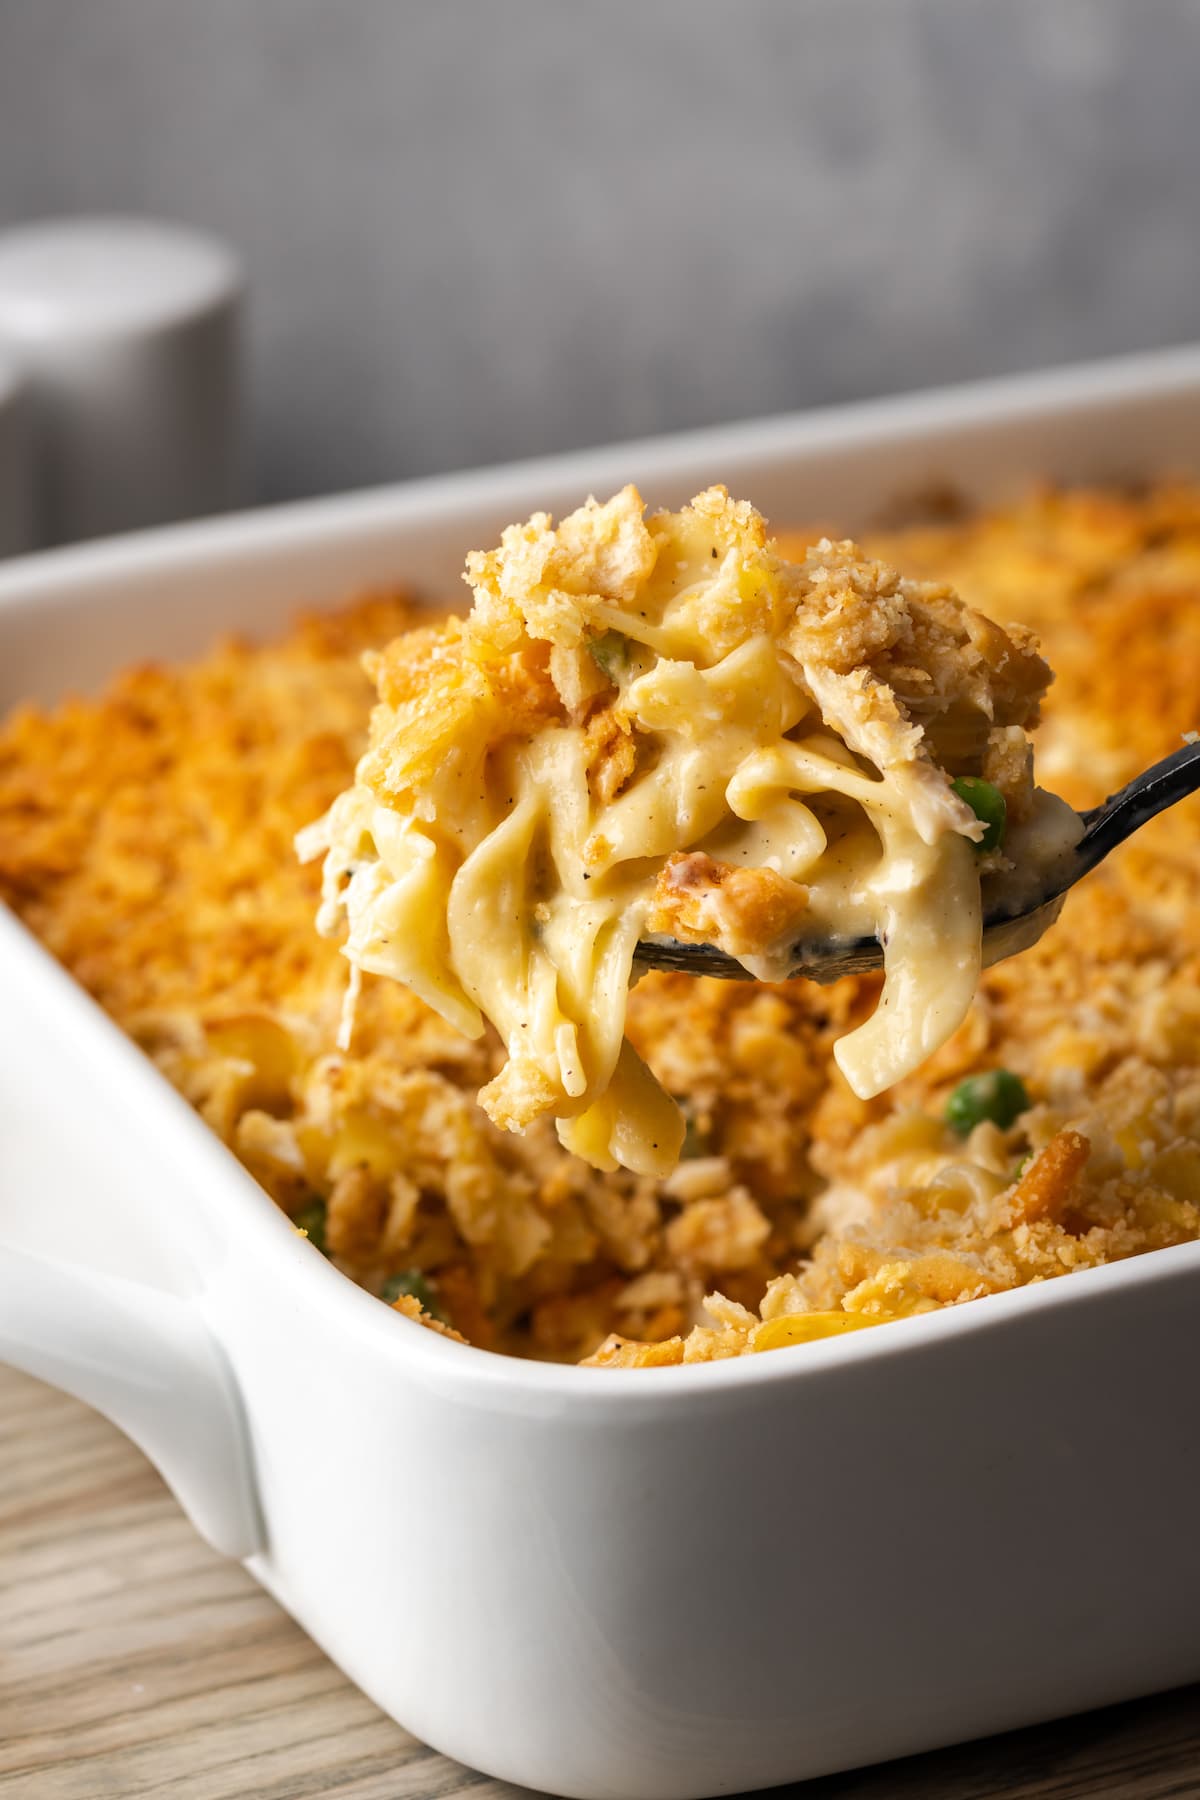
(478, 229)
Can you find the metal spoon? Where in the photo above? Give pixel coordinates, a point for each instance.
(1005, 929)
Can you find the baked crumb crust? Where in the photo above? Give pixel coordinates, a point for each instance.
(146, 838)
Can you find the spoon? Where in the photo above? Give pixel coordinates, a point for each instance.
(1006, 928)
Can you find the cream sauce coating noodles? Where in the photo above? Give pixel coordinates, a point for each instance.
(655, 725)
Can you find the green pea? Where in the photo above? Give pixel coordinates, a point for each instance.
(610, 653)
(987, 803)
(311, 1220)
(411, 1281)
(998, 1095)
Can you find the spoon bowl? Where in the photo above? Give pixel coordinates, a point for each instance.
(1009, 925)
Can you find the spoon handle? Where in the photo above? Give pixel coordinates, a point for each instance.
(1124, 812)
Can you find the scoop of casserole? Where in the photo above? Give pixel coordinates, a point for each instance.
(659, 725)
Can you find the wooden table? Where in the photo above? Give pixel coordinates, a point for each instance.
(134, 1661)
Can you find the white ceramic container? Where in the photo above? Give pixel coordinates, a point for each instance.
(127, 333)
(635, 1585)
(17, 497)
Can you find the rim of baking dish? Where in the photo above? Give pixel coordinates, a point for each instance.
(861, 425)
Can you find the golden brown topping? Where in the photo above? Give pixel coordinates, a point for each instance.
(622, 1353)
(411, 1308)
(1050, 1182)
(145, 836)
(704, 901)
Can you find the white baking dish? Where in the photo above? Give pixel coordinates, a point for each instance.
(642, 1584)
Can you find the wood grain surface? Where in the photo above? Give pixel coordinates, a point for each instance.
(134, 1661)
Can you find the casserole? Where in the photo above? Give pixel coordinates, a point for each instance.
(602, 1582)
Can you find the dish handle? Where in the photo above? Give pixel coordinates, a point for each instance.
(147, 1360)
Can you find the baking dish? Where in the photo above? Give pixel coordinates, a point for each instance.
(652, 1583)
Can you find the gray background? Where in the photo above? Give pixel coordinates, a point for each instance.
(478, 229)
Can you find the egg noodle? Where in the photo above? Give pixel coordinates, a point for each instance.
(657, 726)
